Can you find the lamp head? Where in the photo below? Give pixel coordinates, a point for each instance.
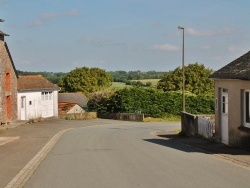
(180, 27)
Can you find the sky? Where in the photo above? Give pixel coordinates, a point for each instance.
(129, 35)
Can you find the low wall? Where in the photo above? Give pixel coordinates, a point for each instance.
(78, 116)
(189, 124)
(122, 116)
(194, 125)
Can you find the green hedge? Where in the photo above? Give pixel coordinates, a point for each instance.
(151, 102)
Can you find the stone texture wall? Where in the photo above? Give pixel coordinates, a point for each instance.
(7, 67)
(122, 116)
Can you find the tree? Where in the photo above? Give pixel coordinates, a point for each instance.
(85, 80)
(196, 80)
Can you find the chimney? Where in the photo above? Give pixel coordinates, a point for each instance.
(2, 34)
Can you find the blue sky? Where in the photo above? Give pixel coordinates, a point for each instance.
(60, 35)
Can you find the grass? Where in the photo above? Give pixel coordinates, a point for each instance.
(165, 119)
(121, 85)
(153, 81)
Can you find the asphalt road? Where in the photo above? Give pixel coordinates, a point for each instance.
(123, 154)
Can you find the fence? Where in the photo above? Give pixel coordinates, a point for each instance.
(193, 125)
(205, 127)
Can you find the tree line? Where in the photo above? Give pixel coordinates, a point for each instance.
(155, 102)
(118, 76)
(123, 76)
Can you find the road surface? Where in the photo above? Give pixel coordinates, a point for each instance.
(125, 154)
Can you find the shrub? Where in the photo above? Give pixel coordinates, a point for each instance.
(151, 102)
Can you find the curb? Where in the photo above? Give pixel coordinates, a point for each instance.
(20, 179)
(221, 156)
(6, 140)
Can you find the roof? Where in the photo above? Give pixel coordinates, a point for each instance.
(237, 69)
(77, 98)
(34, 82)
(64, 107)
(2, 33)
(11, 60)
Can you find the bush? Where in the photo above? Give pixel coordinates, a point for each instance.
(151, 102)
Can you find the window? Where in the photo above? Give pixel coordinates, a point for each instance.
(30, 102)
(224, 104)
(224, 101)
(247, 109)
(22, 102)
(7, 81)
(47, 96)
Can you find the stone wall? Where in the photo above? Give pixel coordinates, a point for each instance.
(8, 89)
(194, 125)
(122, 116)
(79, 116)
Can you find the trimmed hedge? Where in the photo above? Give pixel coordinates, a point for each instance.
(151, 102)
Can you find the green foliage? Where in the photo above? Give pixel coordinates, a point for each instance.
(123, 76)
(151, 102)
(85, 80)
(99, 101)
(196, 80)
(54, 77)
(138, 83)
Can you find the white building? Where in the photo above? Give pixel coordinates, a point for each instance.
(37, 97)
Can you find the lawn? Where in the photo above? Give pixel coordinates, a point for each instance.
(119, 85)
(153, 81)
(122, 85)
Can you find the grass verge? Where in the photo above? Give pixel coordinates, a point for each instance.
(165, 119)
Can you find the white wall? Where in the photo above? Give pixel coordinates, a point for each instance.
(75, 110)
(35, 106)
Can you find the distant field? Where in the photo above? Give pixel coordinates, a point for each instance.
(119, 85)
(122, 85)
(153, 81)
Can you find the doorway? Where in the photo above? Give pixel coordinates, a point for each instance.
(224, 116)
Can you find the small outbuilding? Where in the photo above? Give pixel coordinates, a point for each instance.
(37, 97)
(72, 105)
(69, 108)
(77, 98)
(232, 102)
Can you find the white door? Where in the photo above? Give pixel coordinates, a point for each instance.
(224, 117)
(23, 108)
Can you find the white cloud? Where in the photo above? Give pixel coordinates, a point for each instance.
(194, 32)
(233, 48)
(45, 17)
(37, 23)
(165, 47)
(206, 47)
(72, 12)
(96, 41)
(237, 49)
(49, 15)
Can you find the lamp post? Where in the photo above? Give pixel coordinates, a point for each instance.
(183, 71)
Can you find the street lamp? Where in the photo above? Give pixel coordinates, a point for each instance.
(183, 71)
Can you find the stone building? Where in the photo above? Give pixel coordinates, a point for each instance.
(8, 83)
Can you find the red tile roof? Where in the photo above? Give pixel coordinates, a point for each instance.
(33, 82)
(77, 98)
(64, 107)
